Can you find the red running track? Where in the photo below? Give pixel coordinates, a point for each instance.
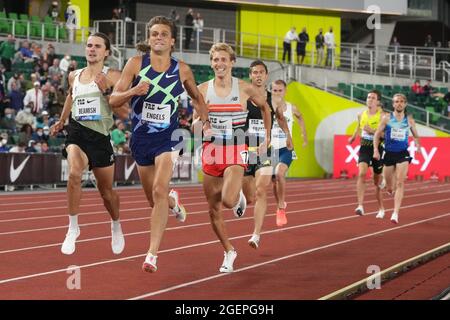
(323, 248)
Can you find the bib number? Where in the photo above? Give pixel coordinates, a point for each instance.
(156, 113)
(87, 109)
(256, 127)
(398, 134)
(221, 126)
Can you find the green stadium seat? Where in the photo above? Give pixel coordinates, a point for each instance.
(20, 26)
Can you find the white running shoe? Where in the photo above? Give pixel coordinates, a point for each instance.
(239, 209)
(380, 214)
(68, 246)
(117, 240)
(394, 217)
(179, 211)
(254, 241)
(228, 260)
(359, 210)
(149, 264)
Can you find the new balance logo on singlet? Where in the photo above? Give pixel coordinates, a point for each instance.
(234, 99)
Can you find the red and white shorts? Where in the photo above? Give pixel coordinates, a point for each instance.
(216, 158)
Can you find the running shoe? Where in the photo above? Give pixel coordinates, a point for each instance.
(394, 217)
(254, 241)
(281, 217)
(239, 209)
(380, 214)
(68, 246)
(228, 260)
(179, 211)
(359, 210)
(117, 240)
(149, 264)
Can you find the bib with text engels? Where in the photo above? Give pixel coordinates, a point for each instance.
(398, 134)
(222, 127)
(256, 127)
(87, 109)
(154, 113)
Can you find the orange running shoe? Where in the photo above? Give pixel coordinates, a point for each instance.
(281, 217)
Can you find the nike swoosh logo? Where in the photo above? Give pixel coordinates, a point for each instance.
(14, 173)
(129, 170)
(171, 76)
(222, 121)
(160, 108)
(90, 101)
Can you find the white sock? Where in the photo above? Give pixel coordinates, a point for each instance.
(73, 222)
(116, 225)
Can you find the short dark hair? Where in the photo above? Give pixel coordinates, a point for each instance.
(378, 94)
(105, 40)
(258, 63)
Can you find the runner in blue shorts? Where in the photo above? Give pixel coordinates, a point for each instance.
(157, 80)
(396, 127)
(283, 148)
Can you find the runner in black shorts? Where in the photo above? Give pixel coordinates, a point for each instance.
(368, 122)
(88, 141)
(260, 166)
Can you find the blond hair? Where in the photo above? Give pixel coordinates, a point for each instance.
(400, 95)
(221, 46)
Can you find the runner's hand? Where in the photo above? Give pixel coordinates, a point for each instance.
(289, 143)
(376, 154)
(142, 88)
(263, 147)
(101, 82)
(57, 127)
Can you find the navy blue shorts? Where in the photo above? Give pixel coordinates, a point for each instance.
(283, 155)
(144, 149)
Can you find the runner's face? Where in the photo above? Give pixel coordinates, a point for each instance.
(278, 90)
(221, 63)
(160, 38)
(399, 104)
(258, 76)
(372, 100)
(96, 50)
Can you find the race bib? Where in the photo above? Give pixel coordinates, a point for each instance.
(221, 126)
(398, 134)
(87, 109)
(156, 113)
(256, 127)
(277, 132)
(366, 135)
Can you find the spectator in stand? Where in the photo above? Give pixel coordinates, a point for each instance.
(395, 42)
(15, 98)
(20, 148)
(25, 134)
(64, 63)
(55, 69)
(7, 51)
(119, 137)
(198, 26)
(26, 52)
(417, 88)
(429, 43)
(37, 52)
(8, 122)
(320, 41)
(4, 142)
(25, 117)
(330, 43)
(290, 36)
(303, 39)
(41, 134)
(44, 147)
(14, 79)
(43, 120)
(189, 23)
(49, 54)
(53, 11)
(36, 96)
(428, 89)
(31, 147)
(174, 16)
